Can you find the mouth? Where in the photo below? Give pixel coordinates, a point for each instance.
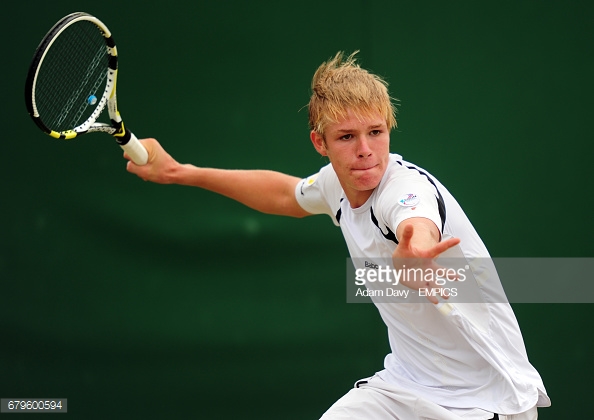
(366, 168)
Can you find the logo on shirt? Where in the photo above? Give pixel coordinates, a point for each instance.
(408, 200)
(307, 182)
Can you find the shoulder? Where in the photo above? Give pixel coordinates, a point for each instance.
(320, 193)
(403, 178)
(407, 191)
(325, 181)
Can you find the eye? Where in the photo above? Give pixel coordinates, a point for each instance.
(346, 137)
(375, 132)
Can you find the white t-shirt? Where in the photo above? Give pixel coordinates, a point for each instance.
(456, 354)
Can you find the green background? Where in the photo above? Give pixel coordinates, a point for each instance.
(136, 300)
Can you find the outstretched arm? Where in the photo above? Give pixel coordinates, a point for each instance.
(266, 191)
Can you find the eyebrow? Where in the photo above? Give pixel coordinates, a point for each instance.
(371, 127)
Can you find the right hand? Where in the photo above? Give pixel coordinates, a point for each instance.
(159, 167)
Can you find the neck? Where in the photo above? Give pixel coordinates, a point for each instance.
(357, 198)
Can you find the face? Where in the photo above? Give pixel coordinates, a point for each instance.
(359, 153)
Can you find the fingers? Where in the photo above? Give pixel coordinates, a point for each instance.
(443, 246)
(135, 169)
(433, 299)
(409, 256)
(149, 144)
(141, 171)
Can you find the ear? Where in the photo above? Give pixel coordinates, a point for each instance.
(318, 142)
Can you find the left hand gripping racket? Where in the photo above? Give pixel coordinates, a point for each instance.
(72, 78)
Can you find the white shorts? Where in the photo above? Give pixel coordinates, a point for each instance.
(374, 399)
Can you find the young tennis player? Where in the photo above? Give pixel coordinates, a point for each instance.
(448, 359)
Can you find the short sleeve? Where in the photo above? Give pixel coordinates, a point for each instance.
(320, 193)
(410, 196)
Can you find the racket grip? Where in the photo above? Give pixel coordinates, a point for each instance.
(135, 150)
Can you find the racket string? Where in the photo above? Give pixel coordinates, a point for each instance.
(84, 105)
(75, 67)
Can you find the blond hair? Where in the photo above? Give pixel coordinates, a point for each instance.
(339, 85)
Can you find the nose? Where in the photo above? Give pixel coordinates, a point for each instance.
(363, 149)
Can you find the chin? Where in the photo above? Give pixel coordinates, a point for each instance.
(370, 180)
(368, 184)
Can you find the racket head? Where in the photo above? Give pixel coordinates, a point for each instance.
(72, 77)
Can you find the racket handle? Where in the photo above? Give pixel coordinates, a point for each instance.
(135, 150)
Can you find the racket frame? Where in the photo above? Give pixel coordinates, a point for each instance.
(123, 137)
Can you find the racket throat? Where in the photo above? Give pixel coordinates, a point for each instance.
(122, 136)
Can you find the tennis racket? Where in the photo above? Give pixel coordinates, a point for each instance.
(72, 78)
